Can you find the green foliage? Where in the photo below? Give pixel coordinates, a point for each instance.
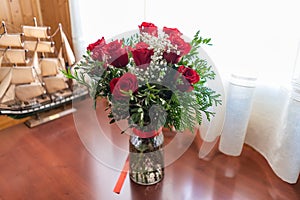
(205, 97)
(132, 40)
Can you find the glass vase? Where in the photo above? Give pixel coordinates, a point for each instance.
(146, 159)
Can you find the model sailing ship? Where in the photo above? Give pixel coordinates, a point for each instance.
(32, 84)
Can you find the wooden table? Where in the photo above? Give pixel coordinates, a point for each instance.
(50, 162)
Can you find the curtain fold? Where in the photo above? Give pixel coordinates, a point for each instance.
(270, 125)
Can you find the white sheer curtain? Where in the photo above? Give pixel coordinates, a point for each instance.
(254, 36)
(251, 38)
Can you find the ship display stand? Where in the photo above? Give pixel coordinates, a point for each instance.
(31, 81)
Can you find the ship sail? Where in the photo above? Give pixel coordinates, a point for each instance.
(54, 84)
(9, 95)
(14, 56)
(49, 66)
(36, 31)
(11, 40)
(22, 75)
(41, 46)
(5, 79)
(4, 71)
(65, 44)
(28, 92)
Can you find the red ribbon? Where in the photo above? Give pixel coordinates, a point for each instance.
(148, 134)
(122, 177)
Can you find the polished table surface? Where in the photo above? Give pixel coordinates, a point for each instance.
(50, 162)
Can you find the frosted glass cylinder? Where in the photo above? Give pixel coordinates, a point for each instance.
(240, 90)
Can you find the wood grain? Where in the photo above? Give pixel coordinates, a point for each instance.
(6, 121)
(50, 162)
(55, 12)
(5, 12)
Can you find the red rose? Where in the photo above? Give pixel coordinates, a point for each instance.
(187, 77)
(125, 83)
(142, 55)
(172, 31)
(182, 46)
(189, 74)
(118, 56)
(97, 49)
(112, 84)
(148, 28)
(93, 45)
(171, 57)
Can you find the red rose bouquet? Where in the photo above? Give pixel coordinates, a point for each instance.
(152, 79)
